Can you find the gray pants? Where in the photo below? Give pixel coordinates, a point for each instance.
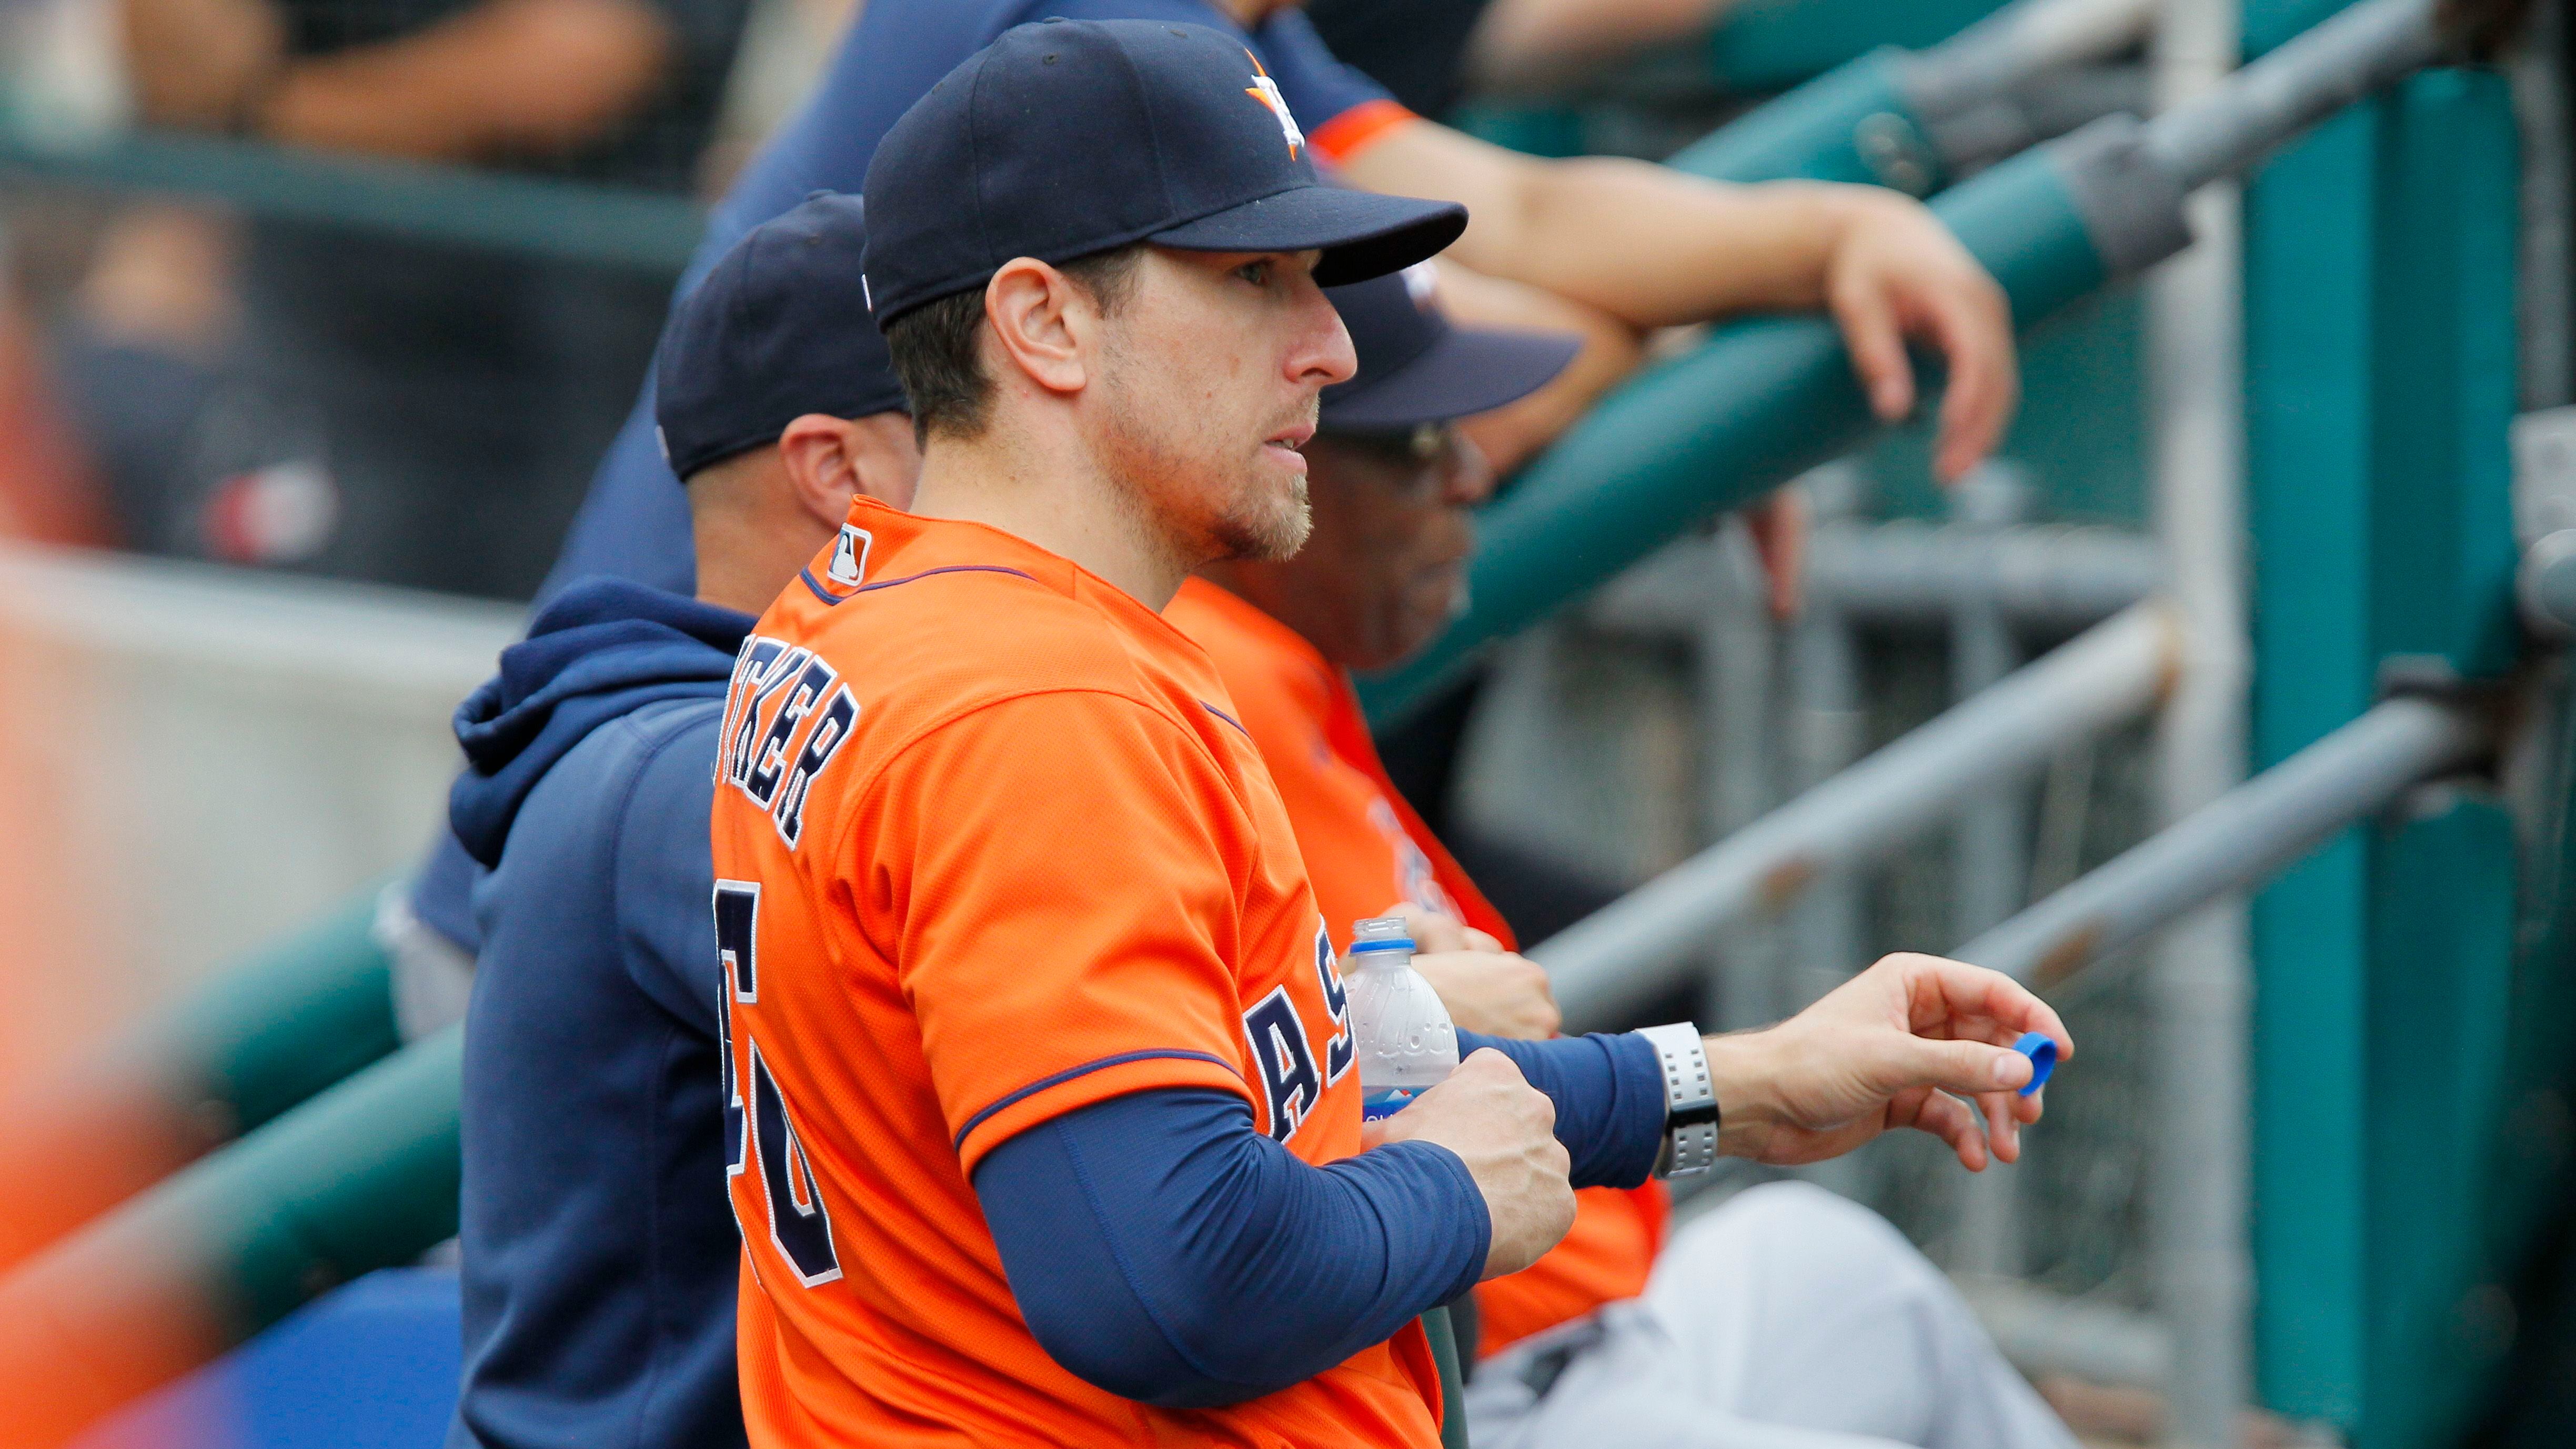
(1788, 1319)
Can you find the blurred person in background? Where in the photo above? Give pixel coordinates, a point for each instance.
(1430, 54)
(460, 396)
(786, 45)
(194, 460)
(599, 1254)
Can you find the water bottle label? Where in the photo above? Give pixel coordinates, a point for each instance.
(1387, 1103)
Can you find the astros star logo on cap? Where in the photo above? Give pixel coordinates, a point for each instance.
(1266, 91)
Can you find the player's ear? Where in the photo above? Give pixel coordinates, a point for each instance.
(828, 459)
(821, 473)
(1038, 319)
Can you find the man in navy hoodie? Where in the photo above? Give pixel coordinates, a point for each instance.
(599, 1249)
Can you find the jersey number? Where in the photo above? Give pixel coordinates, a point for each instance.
(760, 1128)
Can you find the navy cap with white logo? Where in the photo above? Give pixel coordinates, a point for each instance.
(777, 329)
(1415, 368)
(1069, 137)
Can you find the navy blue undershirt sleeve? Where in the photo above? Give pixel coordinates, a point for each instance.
(1163, 1250)
(1609, 1095)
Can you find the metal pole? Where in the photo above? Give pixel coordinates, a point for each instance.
(1737, 649)
(2017, 44)
(1826, 936)
(1767, 398)
(1828, 729)
(2540, 104)
(1993, 856)
(2198, 1213)
(1971, 92)
(2043, 1332)
(1994, 833)
(2239, 839)
(2048, 577)
(2044, 577)
(2221, 130)
(1617, 956)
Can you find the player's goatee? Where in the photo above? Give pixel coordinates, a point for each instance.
(1268, 529)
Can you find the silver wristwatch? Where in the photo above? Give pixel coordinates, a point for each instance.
(1690, 1101)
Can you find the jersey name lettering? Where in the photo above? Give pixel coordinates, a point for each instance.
(1285, 1062)
(786, 715)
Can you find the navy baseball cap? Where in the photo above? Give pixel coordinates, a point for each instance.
(1415, 368)
(1065, 138)
(777, 329)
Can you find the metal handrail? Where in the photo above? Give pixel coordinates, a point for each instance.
(1623, 953)
(563, 220)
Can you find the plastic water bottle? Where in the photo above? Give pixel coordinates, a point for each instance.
(1406, 1041)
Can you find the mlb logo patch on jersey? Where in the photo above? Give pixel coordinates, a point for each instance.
(849, 556)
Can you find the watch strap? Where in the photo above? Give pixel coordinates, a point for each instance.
(1690, 1101)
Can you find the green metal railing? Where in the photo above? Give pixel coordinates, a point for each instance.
(250, 1046)
(1750, 409)
(363, 1176)
(531, 216)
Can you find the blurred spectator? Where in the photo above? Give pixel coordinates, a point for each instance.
(457, 398)
(194, 461)
(1430, 53)
(786, 47)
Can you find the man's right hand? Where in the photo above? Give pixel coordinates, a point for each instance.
(1504, 1129)
(1899, 1045)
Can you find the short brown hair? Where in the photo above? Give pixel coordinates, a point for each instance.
(935, 348)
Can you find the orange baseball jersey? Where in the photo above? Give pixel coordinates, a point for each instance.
(991, 847)
(1366, 849)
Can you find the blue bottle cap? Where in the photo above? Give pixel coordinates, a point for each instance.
(2042, 1051)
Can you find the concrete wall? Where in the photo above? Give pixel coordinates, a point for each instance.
(193, 760)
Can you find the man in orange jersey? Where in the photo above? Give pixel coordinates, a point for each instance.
(1788, 1317)
(1050, 1128)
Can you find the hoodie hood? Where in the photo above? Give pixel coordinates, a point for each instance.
(601, 650)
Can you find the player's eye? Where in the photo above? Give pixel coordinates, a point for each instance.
(1257, 273)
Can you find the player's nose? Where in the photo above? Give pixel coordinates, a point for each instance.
(1323, 354)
